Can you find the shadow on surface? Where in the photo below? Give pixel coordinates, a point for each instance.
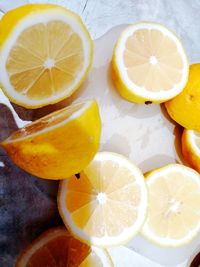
(7, 122)
(34, 114)
(178, 131)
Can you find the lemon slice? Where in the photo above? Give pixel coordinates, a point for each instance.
(191, 148)
(59, 144)
(173, 217)
(45, 53)
(56, 247)
(97, 258)
(106, 206)
(149, 64)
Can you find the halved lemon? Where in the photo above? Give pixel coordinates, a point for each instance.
(56, 247)
(107, 205)
(149, 64)
(59, 144)
(191, 148)
(45, 53)
(173, 217)
(185, 108)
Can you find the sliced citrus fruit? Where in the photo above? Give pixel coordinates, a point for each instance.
(106, 206)
(149, 63)
(173, 217)
(191, 148)
(185, 108)
(59, 144)
(45, 53)
(57, 247)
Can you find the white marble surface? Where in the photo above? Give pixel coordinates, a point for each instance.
(119, 116)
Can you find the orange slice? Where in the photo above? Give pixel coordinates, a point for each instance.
(45, 51)
(57, 247)
(106, 206)
(59, 144)
(149, 64)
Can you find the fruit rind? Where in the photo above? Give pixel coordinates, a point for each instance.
(190, 150)
(184, 108)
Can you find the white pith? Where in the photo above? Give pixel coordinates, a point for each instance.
(192, 139)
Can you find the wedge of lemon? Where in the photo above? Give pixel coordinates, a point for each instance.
(106, 206)
(45, 53)
(149, 64)
(185, 108)
(59, 144)
(191, 148)
(56, 247)
(173, 217)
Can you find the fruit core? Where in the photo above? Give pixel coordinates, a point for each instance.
(153, 60)
(49, 63)
(102, 198)
(173, 208)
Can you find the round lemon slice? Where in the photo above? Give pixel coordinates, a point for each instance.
(149, 64)
(173, 217)
(191, 148)
(106, 206)
(56, 247)
(45, 53)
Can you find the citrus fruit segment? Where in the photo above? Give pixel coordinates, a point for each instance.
(45, 52)
(149, 63)
(191, 148)
(185, 108)
(106, 206)
(173, 217)
(59, 144)
(97, 258)
(57, 247)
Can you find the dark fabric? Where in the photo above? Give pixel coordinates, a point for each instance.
(27, 203)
